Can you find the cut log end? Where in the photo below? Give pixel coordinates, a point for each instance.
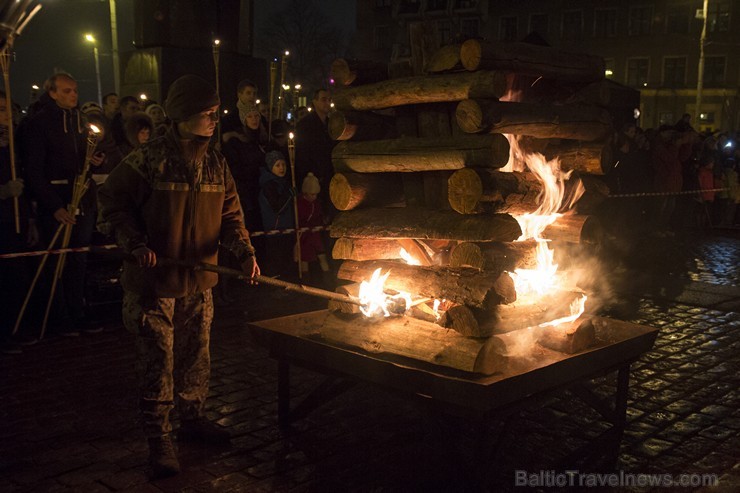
(491, 358)
(464, 190)
(470, 54)
(469, 116)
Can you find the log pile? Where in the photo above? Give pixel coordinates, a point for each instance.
(425, 164)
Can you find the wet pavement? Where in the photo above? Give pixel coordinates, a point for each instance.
(68, 417)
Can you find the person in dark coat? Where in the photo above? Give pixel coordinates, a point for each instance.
(313, 147)
(53, 149)
(175, 197)
(276, 206)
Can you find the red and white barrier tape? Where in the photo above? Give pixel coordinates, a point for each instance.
(95, 248)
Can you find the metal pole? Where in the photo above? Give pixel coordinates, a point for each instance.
(700, 78)
(97, 74)
(114, 44)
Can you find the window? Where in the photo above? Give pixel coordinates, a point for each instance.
(677, 23)
(381, 37)
(434, 5)
(718, 16)
(637, 72)
(605, 23)
(538, 24)
(444, 29)
(573, 25)
(714, 71)
(508, 29)
(640, 21)
(382, 3)
(609, 65)
(469, 28)
(409, 7)
(674, 71)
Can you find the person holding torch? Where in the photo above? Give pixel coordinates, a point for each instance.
(174, 197)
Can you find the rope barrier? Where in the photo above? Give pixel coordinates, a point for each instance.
(59, 251)
(662, 194)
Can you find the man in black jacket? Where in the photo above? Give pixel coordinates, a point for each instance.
(53, 146)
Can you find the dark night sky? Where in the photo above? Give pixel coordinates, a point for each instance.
(54, 40)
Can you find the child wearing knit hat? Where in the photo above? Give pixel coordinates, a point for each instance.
(313, 258)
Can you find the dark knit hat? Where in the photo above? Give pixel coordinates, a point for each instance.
(273, 157)
(188, 96)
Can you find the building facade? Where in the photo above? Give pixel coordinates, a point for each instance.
(651, 45)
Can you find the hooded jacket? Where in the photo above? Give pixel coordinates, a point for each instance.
(53, 146)
(275, 201)
(178, 198)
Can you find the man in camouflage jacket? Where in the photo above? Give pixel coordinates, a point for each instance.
(174, 197)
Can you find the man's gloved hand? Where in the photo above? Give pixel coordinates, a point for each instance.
(144, 256)
(250, 267)
(13, 188)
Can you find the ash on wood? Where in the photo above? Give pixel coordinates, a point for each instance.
(422, 89)
(418, 340)
(416, 154)
(424, 224)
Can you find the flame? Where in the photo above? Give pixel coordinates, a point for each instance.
(372, 296)
(94, 129)
(406, 256)
(577, 307)
(544, 278)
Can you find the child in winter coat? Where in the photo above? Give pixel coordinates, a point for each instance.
(313, 258)
(276, 207)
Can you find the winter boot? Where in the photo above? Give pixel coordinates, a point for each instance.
(162, 457)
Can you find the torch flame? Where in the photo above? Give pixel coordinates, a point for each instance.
(94, 129)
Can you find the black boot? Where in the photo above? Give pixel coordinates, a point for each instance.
(162, 457)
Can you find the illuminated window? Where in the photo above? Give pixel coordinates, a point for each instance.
(609, 65)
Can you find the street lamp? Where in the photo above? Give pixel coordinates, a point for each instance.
(91, 39)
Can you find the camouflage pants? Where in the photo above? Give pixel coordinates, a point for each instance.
(173, 359)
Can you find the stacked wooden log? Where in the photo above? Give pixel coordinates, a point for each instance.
(423, 165)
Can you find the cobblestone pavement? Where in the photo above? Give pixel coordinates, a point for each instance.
(68, 420)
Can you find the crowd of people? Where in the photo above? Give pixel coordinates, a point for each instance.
(166, 182)
(672, 178)
(51, 143)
